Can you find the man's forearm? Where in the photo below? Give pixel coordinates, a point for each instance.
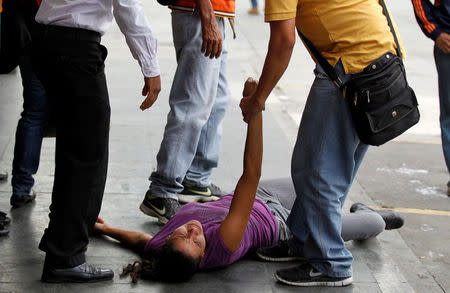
(139, 36)
(281, 44)
(205, 9)
(211, 35)
(423, 10)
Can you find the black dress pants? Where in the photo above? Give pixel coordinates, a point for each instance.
(70, 64)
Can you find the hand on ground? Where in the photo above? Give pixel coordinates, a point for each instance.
(100, 226)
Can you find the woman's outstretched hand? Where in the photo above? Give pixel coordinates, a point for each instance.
(249, 87)
(100, 226)
(249, 104)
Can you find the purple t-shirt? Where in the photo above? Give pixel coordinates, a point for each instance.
(261, 231)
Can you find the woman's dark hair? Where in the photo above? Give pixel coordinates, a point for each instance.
(170, 265)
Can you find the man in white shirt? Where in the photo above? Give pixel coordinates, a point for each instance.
(69, 60)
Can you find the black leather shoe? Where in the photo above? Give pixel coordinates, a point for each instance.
(20, 200)
(83, 273)
(3, 176)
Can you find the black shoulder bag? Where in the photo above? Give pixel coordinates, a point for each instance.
(382, 104)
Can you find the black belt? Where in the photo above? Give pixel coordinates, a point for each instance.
(54, 32)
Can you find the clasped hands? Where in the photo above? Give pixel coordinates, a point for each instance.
(249, 104)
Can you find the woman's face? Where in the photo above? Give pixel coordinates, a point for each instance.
(189, 239)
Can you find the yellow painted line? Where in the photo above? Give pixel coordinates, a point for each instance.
(417, 211)
(420, 141)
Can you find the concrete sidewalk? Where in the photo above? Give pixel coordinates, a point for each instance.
(407, 173)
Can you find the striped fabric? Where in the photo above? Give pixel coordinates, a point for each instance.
(222, 8)
(418, 8)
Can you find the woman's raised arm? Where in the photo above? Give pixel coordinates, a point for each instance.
(233, 227)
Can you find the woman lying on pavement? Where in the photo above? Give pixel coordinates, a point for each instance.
(216, 234)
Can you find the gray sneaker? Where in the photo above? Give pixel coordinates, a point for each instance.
(192, 193)
(161, 208)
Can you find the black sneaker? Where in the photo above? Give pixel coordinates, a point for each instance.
(18, 200)
(277, 253)
(192, 193)
(392, 219)
(306, 276)
(3, 176)
(161, 208)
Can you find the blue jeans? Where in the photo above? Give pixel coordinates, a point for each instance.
(254, 3)
(443, 68)
(30, 130)
(326, 157)
(198, 101)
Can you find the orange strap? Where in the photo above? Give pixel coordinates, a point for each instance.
(421, 14)
(227, 6)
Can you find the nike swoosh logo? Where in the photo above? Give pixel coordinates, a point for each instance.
(205, 193)
(159, 211)
(313, 274)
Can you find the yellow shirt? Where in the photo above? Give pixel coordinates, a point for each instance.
(355, 31)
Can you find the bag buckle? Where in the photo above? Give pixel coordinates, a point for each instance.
(338, 82)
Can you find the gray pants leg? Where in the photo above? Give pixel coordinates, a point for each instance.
(279, 195)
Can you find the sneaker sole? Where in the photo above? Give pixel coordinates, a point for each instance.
(149, 212)
(340, 283)
(185, 198)
(55, 280)
(279, 259)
